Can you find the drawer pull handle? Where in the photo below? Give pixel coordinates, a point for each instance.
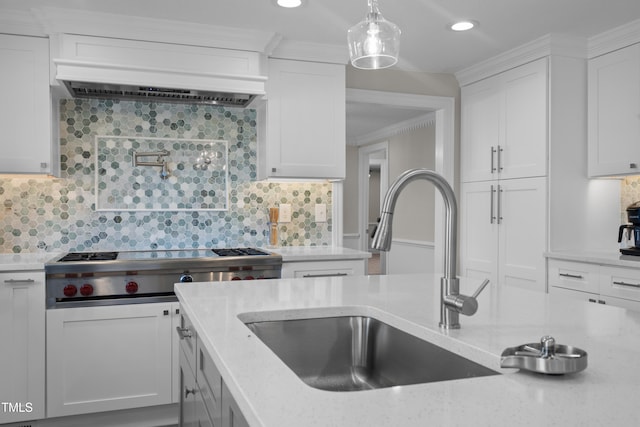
(326, 275)
(573, 276)
(188, 391)
(633, 285)
(184, 332)
(14, 281)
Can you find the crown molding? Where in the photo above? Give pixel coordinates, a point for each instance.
(19, 22)
(551, 44)
(69, 21)
(394, 129)
(49, 21)
(614, 39)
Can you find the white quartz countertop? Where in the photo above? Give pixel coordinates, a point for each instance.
(602, 258)
(25, 261)
(318, 253)
(271, 395)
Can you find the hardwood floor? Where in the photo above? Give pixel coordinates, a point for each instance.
(374, 264)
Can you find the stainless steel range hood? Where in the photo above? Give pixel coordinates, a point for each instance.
(159, 94)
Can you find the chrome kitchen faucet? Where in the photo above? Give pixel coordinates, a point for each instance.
(451, 301)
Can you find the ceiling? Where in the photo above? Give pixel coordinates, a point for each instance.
(426, 44)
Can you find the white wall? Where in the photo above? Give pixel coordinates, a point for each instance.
(414, 214)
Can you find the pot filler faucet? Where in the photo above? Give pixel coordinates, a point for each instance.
(451, 301)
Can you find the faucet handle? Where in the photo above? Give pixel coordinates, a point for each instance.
(467, 305)
(480, 288)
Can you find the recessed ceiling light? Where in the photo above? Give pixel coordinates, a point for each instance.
(289, 3)
(463, 25)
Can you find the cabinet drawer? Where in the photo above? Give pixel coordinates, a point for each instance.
(311, 269)
(620, 282)
(210, 385)
(187, 335)
(578, 276)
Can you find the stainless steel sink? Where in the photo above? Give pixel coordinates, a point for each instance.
(360, 353)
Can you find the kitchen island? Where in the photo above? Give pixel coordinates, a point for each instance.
(269, 394)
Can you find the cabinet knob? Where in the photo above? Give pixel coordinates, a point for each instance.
(633, 166)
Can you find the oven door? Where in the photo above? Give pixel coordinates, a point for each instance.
(109, 357)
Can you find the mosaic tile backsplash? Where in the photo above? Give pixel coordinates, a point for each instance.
(143, 174)
(629, 193)
(44, 214)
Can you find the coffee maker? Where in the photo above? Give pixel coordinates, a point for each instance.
(632, 231)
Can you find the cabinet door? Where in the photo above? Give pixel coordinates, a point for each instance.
(523, 147)
(22, 351)
(210, 385)
(481, 121)
(614, 113)
(305, 119)
(231, 415)
(188, 388)
(479, 231)
(109, 357)
(504, 125)
(25, 117)
(175, 353)
(522, 212)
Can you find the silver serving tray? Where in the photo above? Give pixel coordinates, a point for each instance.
(545, 357)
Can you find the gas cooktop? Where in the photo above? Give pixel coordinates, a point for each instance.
(167, 254)
(178, 259)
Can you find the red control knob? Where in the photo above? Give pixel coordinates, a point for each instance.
(131, 288)
(70, 290)
(235, 278)
(249, 278)
(86, 289)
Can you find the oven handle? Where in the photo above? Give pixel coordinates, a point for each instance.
(184, 332)
(325, 275)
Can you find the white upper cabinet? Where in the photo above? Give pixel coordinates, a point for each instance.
(504, 125)
(25, 108)
(614, 113)
(302, 125)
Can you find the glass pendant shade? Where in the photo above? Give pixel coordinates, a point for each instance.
(375, 42)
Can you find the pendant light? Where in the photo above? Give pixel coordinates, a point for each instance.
(375, 42)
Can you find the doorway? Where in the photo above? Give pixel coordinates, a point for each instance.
(373, 181)
(444, 110)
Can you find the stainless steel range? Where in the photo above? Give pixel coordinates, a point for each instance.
(110, 278)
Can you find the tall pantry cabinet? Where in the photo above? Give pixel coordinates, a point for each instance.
(513, 123)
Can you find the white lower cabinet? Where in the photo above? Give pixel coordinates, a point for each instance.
(22, 352)
(602, 284)
(109, 357)
(503, 231)
(310, 269)
(205, 399)
(231, 415)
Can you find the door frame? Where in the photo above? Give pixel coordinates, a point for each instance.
(445, 150)
(364, 153)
